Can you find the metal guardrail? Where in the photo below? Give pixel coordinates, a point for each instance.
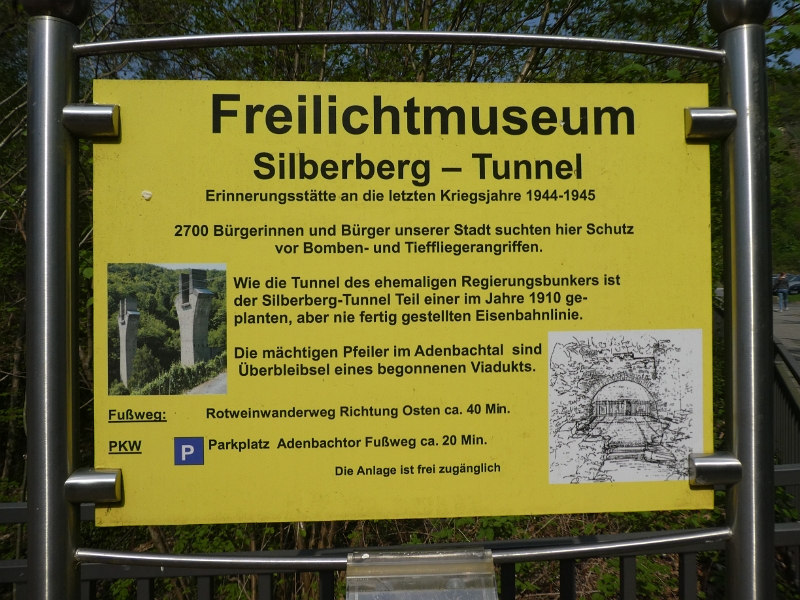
(786, 396)
(790, 361)
(786, 433)
(145, 568)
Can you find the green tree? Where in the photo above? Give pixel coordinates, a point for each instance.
(145, 368)
(785, 173)
(117, 388)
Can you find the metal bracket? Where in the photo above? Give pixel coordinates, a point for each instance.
(719, 468)
(91, 120)
(94, 485)
(708, 123)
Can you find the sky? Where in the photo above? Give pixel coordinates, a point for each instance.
(794, 56)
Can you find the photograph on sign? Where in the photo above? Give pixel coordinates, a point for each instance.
(395, 300)
(170, 333)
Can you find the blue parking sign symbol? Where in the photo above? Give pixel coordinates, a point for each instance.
(189, 450)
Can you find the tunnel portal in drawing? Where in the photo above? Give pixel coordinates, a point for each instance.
(624, 405)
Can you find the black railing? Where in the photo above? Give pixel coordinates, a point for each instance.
(786, 401)
(786, 398)
(786, 535)
(15, 571)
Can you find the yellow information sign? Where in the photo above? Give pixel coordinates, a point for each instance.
(324, 301)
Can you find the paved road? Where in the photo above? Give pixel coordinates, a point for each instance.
(218, 385)
(786, 327)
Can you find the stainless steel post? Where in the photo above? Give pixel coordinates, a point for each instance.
(51, 305)
(750, 554)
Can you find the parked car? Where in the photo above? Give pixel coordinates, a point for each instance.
(794, 285)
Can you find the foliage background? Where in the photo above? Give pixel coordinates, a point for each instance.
(675, 21)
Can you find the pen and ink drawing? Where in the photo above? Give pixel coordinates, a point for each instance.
(624, 405)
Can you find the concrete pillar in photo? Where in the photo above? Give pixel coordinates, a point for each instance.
(193, 304)
(128, 321)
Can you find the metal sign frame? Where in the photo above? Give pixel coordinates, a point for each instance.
(53, 53)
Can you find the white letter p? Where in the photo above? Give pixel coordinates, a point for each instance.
(186, 450)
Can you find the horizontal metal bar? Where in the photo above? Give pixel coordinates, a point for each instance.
(13, 512)
(787, 534)
(282, 38)
(100, 571)
(244, 561)
(652, 544)
(17, 512)
(15, 571)
(582, 541)
(787, 474)
(667, 543)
